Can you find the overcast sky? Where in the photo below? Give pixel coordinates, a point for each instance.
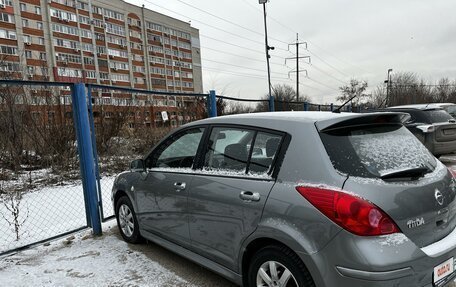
(346, 39)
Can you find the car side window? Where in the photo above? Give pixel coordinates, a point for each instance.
(178, 151)
(228, 149)
(264, 152)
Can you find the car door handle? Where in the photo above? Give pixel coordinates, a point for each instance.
(250, 196)
(180, 185)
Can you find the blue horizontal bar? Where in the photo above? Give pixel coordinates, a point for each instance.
(143, 91)
(35, 83)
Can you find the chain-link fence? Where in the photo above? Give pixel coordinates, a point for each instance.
(41, 194)
(230, 105)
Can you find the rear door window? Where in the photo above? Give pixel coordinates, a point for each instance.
(376, 150)
(239, 151)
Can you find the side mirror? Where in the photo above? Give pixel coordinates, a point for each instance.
(138, 165)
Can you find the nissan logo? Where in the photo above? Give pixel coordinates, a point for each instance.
(439, 197)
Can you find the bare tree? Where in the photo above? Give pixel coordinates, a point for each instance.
(12, 201)
(284, 96)
(356, 89)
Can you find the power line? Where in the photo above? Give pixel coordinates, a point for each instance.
(292, 30)
(328, 64)
(206, 24)
(228, 21)
(235, 45)
(237, 55)
(270, 17)
(328, 74)
(320, 83)
(234, 73)
(335, 57)
(237, 66)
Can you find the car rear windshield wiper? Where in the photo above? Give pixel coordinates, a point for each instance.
(415, 172)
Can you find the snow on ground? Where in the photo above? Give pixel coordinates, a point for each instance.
(82, 260)
(47, 212)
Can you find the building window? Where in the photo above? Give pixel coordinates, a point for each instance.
(4, 17)
(38, 10)
(5, 34)
(39, 25)
(25, 23)
(27, 39)
(28, 54)
(23, 7)
(41, 41)
(42, 56)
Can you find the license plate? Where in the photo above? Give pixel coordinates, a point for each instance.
(443, 270)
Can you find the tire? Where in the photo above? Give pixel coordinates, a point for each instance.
(283, 259)
(126, 221)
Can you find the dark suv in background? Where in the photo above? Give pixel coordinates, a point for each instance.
(432, 125)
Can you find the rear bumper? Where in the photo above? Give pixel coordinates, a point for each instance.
(349, 260)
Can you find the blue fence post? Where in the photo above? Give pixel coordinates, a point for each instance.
(332, 107)
(94, 149)
(271, 104)
(85, 151)
(306, 106)
(212, 104)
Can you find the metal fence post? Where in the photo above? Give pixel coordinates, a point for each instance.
(271, 104)
(319, 108)
(85, 152)
(306, 106)
(212, 104)
(94, 149)
(332, 107)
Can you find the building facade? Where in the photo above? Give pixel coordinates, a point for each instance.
(107, 42)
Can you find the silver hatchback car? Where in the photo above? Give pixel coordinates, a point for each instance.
(297, 199)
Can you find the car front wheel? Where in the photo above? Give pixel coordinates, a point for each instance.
(126, 220)
(278, 266)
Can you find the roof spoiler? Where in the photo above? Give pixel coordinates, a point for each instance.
(363, 120)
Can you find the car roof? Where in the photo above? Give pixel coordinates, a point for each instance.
(305, 117)
(423, 107)
(280, 119)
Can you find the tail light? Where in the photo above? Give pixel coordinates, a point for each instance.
(351, 212)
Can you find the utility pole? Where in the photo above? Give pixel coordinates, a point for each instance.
(388, 87)
(271, 98)
(297, 58)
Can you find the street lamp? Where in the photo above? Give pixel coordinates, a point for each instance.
(271, 98)
(388, 86)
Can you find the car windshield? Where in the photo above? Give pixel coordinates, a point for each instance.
(376, 151)
(438, 116)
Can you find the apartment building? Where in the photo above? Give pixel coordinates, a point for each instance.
(107, 42)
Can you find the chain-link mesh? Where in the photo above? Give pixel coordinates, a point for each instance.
(41, 194)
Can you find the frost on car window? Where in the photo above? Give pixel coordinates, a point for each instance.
(374, 151)
(387, 152)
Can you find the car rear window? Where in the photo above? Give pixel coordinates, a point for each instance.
(438, 116)
(373, 151)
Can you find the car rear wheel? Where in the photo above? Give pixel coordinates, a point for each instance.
(278, 266)
(126, 221)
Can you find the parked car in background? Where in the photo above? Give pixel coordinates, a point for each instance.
(296, 199)
(448, 107)
(432, 125)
